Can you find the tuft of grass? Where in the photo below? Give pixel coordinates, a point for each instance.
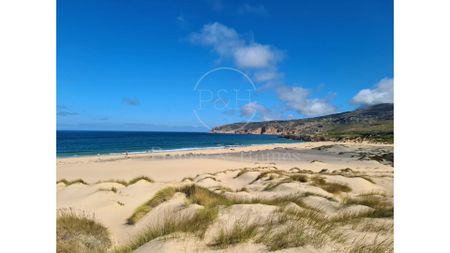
(242, 172)
(209, 177)
(223, 189)
(360, 246)
(330, 187)
(272, 186)
(298, 228)
(367, 225)
(299, 178)
(160, 197)
(194, 194)
(202, 196)
(383, 208)
(77, 232)
(267, 173)
(237, 234)
(127, 183)
(137, 179)
(113, 189)
(197, 225)
(76, 181)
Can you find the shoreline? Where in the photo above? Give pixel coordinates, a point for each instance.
(174, 165)
(176, 150)
(217, 150)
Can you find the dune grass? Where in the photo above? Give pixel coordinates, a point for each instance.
(77, 232)
(299, 178)
(118, 181)
(194, 194)
(298, 228)
(137, 179)
(76, 181)
(113, 189)
(127, 183)
(271, 186)
(197, 225)
(330, 187)
(239, 233)
(376, 246)
(382, 206)
(160, 197)
(286, 229)
(241, 172)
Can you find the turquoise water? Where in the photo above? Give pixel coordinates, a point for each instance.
(81, 143)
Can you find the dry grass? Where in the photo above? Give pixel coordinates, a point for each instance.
(376, 246)
(77, 232)
(383, 206)
(330, 187)
(239, 233)
(286, 229)
(241, 172)
(299, 178)
(127, 183)
(76, 181)
(197, 225)
(113, 189)
(298, 228)
(137, 179)
(160, 197)
(202, 196)
(194, 194)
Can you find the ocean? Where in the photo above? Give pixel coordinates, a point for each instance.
(82, 143)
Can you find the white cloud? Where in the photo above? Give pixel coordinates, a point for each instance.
(222, 39)
(253, 108)
(382, 93)
(261, 61)
(296, 98)
(256, 56)
(228, 43)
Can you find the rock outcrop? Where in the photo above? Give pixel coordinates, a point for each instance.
(374, 123)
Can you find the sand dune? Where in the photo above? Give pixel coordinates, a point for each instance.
(330, 197)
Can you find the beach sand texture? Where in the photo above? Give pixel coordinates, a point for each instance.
(300, 197)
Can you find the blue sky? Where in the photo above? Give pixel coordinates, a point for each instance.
(134, 65)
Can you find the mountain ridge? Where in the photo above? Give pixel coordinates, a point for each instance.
(373, 123)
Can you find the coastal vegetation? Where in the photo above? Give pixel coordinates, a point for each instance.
(78, 232)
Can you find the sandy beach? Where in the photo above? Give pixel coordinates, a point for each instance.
(332, 179)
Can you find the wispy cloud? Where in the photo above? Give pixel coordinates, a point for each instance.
(383, 92)
(257, 9)
(66, 113)
(131, 101)
(63, 111)
(254, 108)
(228, 43)
(182, 22)
(298, 99)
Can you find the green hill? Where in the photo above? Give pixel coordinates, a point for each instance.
(374, 123)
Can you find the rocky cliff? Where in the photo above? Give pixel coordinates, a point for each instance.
(374, 123)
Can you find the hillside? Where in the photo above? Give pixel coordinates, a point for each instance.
(374, 123)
